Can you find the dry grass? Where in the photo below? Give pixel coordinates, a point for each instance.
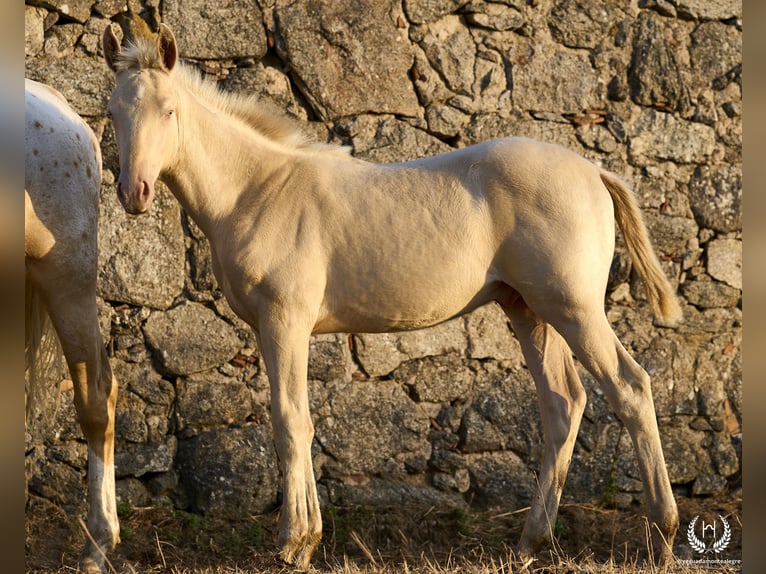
(589, 540)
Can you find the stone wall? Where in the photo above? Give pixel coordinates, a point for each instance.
(650, 89)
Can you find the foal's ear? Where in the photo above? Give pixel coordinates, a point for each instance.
(111, 48)
(166, 44)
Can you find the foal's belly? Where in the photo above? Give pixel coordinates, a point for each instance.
(403, 308)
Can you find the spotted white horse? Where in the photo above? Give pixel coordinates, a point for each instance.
(307, 239)
(61, 194)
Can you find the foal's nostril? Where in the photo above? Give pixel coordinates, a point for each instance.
(145, 191)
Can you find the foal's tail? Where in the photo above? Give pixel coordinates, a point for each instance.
(660, 294)
(42, 350)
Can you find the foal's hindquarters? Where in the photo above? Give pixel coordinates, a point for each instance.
(63, 176)
(557, 279)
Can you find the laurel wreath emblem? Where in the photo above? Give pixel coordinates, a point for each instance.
(717, 546)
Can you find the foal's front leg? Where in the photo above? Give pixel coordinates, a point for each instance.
(284, 343)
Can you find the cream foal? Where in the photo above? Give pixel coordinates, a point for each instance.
(307, 239)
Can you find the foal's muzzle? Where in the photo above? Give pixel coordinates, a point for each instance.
(136, 197)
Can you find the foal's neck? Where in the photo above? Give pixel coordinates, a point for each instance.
(220, 159)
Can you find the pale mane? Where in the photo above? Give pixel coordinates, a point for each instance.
(261, 116)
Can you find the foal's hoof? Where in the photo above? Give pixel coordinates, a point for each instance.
(297, 552)
(523, 560)
(87, 565)
(662, 545)
(663, 555)
(300, 559)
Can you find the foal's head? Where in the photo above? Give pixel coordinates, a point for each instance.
(143, 110)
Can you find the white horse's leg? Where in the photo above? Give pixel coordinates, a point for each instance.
(71, 303)
(628, 389)
(284, 345)
(562, 400)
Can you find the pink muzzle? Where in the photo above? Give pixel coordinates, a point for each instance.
(135, 196)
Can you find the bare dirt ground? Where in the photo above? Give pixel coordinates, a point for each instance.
(589, 539)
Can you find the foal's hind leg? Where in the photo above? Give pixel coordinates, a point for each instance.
(628, 389)
(71, 303)
(562, 400)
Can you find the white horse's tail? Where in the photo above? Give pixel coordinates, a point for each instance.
(42, 350)
(659, 292)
